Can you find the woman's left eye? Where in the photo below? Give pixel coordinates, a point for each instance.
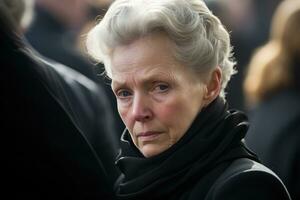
(161, 88)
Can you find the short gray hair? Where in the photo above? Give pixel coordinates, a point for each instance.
(21, 11)
(200, 40)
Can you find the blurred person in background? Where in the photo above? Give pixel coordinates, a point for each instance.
(97, 9)
(247, 21)
(54, 33)
(54, 30)
(272, 88)
(169, 62)
(57, 118)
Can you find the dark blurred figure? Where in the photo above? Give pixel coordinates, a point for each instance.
(272, 87)
(240, 19)
(247, 22)
(49, 154)
(97, 9)
(265, 10)
(54, 32)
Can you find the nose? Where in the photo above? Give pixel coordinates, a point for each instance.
(141, 109)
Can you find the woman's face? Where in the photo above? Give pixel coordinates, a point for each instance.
(158, 97)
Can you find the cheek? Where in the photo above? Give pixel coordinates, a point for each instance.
(123, 112)
(170, 113)
(177, 115)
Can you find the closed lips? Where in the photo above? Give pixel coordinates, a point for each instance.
(148, 133)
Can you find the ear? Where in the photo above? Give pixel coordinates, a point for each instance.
(213, 86)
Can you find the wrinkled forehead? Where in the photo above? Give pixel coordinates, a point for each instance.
(152, 50)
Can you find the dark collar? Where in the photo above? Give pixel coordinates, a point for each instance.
(214, 137)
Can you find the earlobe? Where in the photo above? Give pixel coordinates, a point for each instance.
(213, 86)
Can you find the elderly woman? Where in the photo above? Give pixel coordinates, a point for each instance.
(169, 62)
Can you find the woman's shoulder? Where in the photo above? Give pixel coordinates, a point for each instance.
(247, 179)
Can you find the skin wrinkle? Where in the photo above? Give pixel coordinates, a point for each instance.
(146, 75)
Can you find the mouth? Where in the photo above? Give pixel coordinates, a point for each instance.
(148, 136)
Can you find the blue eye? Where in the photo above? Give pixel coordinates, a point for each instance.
(123, 94)
(161, 88)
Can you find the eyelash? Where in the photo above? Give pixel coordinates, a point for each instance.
(120, 94)
(157, 87)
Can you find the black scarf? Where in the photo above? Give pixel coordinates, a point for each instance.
(214, 137)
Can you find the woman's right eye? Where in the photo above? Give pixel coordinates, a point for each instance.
(122, 94)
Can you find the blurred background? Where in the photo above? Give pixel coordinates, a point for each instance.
(248, 21)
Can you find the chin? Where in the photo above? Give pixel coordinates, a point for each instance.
(151, 150)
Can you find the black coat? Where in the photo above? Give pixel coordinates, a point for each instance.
(45, 154)
(244, 179)
(275, 135)
(209, 162)
(85, 103)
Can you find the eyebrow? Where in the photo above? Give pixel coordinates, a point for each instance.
(147, 78)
